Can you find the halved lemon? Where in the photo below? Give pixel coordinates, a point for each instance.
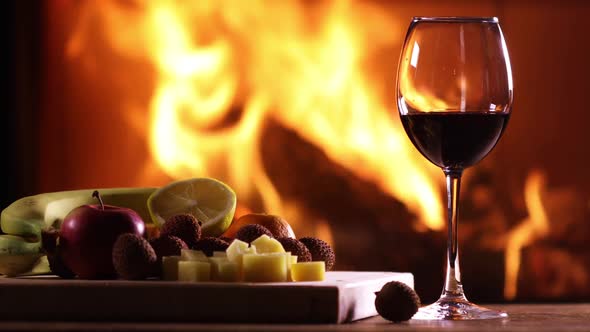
(211, 201)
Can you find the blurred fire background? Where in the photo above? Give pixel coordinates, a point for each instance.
(86, 83)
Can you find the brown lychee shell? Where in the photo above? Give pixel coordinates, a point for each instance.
(133, 257)
(278, 226)
(184, 226)
(210, 244)
(249, 233)
(320, 251)
(297, 248)
(397, 302)
(167, 245)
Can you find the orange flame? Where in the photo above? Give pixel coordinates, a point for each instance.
(273, 60)
(535, 226)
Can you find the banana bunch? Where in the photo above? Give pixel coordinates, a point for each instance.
(23, 221)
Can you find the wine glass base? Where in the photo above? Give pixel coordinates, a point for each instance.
(456, 309)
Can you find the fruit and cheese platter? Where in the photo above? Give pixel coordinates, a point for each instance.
(178, 253)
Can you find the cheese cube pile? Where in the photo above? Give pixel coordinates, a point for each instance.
(264, 260)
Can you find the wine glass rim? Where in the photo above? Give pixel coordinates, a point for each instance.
(456, 19)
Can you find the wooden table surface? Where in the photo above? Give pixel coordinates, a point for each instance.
(523, 317)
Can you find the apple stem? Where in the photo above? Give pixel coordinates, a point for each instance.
(97, 195)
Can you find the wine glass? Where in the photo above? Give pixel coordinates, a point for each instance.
(454, 98)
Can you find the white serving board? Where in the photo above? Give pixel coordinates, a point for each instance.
(343, 297)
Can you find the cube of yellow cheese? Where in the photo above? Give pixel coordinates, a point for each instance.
(291, 259)
(170, 267)
(194, 271)
(265, 245)
(222, 269)
(193, 255)
(236, 251)
(238, 248)
(308, 271)
(265, 267)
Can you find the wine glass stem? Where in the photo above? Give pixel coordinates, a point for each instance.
(453, 287)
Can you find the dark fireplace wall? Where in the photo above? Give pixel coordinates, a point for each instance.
(20, 23)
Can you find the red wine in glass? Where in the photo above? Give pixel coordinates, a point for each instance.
(455, 139)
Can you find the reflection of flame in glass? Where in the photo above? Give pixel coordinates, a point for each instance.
(415, 97)
(535, 226)
(273, 60)
(415, 55)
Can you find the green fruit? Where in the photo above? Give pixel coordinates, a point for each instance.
(24, 220)
(16, 245)
(18, 255)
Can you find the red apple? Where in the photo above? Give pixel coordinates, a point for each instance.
(88, 234)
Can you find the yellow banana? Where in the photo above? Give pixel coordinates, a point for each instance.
(25, 219)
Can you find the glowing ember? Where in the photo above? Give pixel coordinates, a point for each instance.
(533, 227)
(272, 60)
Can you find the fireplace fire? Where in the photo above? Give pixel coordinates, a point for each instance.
(292, 104)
